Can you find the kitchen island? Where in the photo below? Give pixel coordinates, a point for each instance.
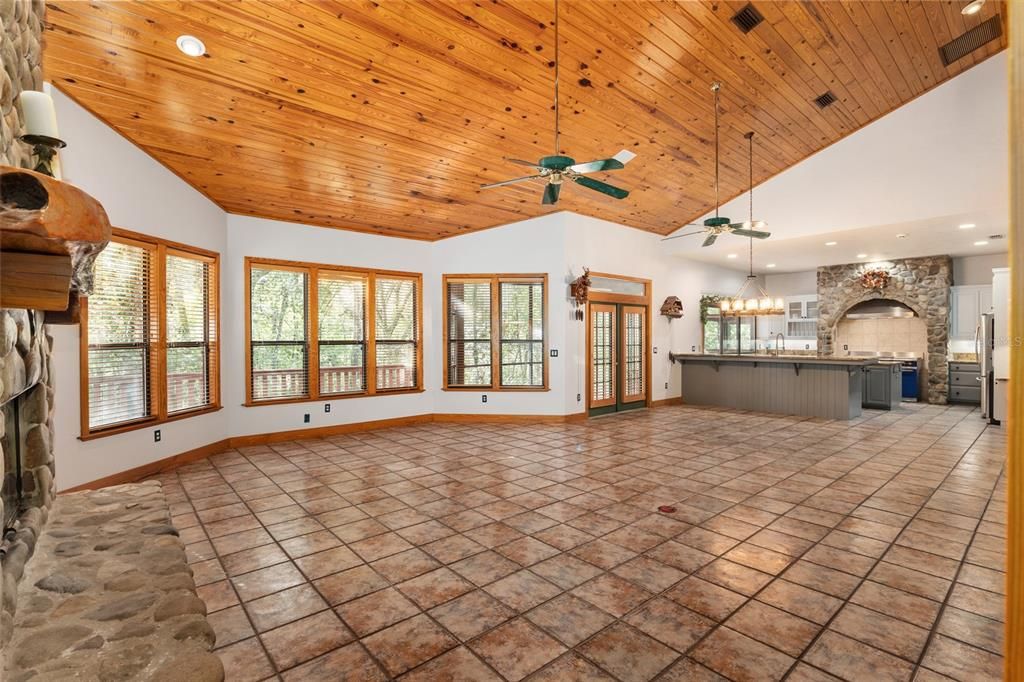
(803, 385)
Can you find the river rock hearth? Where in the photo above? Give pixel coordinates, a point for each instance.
(109, 595)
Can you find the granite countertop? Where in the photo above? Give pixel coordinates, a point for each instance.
(801, 359)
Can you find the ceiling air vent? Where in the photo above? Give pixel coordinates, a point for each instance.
(968, 42)
(747, 18)
(825, 100)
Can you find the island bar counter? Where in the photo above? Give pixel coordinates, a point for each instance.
(808, 386)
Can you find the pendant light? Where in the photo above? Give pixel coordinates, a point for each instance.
(763, 304)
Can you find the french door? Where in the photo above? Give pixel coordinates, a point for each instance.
(617, 358)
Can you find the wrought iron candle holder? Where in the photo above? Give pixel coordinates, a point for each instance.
(45, 149)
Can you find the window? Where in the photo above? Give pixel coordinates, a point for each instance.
(494, 331)
(319, 331)
(149, 335)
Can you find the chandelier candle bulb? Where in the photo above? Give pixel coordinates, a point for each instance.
(40, 114)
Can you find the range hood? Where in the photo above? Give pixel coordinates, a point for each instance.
(879, 309)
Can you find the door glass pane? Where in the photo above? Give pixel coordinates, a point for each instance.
(602, 342)
(812, 309)
(634, 354)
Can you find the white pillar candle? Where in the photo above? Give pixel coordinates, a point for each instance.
(40, 116)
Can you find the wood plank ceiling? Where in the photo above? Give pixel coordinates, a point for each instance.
(386, 116)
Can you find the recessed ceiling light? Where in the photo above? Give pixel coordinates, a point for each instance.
(770, 265)
(972, 7)
(731, 255)
(901, 236)
(981, 243)
(191, 46)
(831, 243)
(862, 255)
(968, 226)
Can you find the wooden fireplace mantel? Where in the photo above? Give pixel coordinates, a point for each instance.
(50, 235)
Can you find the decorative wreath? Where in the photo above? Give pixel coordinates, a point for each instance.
(874, 279)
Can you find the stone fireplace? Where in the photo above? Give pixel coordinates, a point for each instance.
(923, 284)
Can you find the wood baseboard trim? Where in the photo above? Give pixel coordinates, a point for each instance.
(160, 465)
(678, 400)
(140, 472)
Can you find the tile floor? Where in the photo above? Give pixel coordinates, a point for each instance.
(800, 548)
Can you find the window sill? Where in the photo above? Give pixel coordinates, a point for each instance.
(330, 398)
(495, 389)
(148, 423)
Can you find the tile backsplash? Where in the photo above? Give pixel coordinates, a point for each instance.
(902, 334)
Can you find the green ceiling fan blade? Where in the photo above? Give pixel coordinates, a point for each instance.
(602, 187)
(511, 182)
(551, 191)
(756, 234)
(596, 166)
(710, 240)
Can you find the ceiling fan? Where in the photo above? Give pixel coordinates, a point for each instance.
(713, 227)
(556, 169)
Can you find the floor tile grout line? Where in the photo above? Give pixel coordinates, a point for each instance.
(707, 466)
(952, 586)
(846, 601)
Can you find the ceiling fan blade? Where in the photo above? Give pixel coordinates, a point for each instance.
(624, 156)
(749, 225)
(602, 187)
(595, 166)
(531, 164)
(710, 240)
(551, 191)
(511, 182)
(677, 236)
(756, 234)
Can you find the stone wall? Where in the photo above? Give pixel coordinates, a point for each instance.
(921, 283)
(25, 348)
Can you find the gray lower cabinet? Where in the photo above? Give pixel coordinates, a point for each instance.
(881, 386)
(964, 382)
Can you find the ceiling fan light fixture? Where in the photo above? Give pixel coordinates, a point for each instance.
(972, 7)
(190, 45)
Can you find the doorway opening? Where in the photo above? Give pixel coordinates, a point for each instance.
(618, 344)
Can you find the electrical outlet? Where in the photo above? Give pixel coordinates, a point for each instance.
(693, 349)
(554, 352)
(156, 436)
(654, 350)
(483, 398)
(807, 346)
(305, 418)
(327, 407)
(666, 385)
(846, 347)
(579, 397)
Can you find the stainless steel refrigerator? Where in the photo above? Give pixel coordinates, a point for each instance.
(984, 345)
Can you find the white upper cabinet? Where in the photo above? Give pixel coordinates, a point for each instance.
(967, 303)
(802, 316)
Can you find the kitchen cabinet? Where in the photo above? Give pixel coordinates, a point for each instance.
(881, 386)
(802, 316)
(967, 303)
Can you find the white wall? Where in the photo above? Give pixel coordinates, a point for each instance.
(141, 195)
(977, 269)
(792, 283)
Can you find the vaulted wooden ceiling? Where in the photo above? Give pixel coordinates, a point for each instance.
(386, 116)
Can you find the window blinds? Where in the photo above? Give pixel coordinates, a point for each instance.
(279, 347)
(395, 332)
(341, 324)
(121, 331)
(191, 332)
(522, 333)
(469, 333)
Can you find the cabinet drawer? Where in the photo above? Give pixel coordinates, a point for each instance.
(968, 379)
(965, 367)
(963, 394)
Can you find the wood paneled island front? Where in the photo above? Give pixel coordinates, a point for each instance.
(784, 384)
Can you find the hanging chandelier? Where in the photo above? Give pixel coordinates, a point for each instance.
(762, 303)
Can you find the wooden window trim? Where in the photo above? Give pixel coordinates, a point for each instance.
(159, 249)
(495, 280)
(312, 272)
